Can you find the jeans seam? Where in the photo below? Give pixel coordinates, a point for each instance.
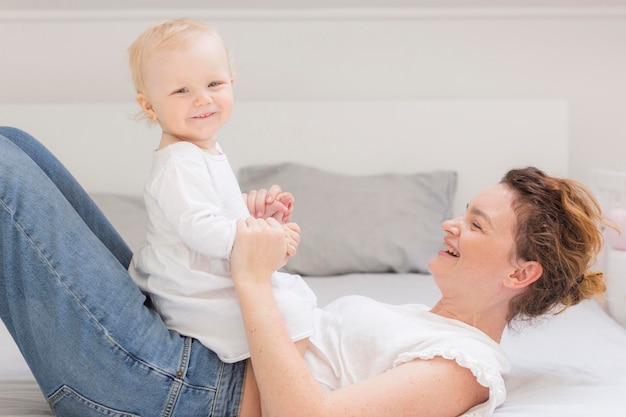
(31, 242)
(178, 381)
(66, 391)
(217, 390)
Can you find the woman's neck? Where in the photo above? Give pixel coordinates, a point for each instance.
(491, 321)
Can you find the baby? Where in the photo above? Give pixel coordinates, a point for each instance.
(183, 77)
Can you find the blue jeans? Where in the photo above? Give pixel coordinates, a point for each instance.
(93, 343)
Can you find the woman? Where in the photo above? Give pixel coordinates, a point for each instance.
(522, 249)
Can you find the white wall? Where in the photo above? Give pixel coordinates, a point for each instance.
(562, 54)
(478, 139)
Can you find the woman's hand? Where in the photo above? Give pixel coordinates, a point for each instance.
(261, 247)
(270, 203)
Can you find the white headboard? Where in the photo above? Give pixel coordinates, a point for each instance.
(480, 139)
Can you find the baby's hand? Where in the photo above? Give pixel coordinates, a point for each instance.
(292, 234)
(275, 203)
(286, 200)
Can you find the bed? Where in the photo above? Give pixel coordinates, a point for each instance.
(353, 166)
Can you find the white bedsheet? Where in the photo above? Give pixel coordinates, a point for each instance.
(572, 365)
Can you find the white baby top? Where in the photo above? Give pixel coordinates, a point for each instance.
(193, 202)
(357, 338)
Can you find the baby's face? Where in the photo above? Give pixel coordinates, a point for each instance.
(189, 89)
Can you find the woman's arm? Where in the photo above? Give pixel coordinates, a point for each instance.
(437, 387)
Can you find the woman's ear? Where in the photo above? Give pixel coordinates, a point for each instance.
(146, 106)
(527, 273)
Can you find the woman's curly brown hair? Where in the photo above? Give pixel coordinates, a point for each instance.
(559, 225)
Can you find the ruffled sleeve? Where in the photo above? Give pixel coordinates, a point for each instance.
(482, 356)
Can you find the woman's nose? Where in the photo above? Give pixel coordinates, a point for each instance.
(451, 225)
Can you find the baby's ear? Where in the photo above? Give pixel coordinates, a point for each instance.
(146, 106)
(527, 273)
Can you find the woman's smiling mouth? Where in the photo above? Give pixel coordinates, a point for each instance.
(449, 249)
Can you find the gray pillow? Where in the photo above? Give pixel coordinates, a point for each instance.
(377, 223)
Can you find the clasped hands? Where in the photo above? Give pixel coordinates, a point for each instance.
(267, 239)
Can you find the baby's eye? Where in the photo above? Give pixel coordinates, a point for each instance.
(181, 90)
(215, 84)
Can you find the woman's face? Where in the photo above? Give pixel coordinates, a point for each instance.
(479, 250)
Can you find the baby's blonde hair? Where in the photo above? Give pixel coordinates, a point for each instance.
(165, 35)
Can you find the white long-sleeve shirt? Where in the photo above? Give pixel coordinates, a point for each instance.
(193, 202)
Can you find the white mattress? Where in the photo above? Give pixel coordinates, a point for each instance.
(573, 364)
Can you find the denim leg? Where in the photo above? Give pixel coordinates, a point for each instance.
(79, 320)
(72, 191)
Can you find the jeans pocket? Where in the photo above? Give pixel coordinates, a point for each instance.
(68, 403)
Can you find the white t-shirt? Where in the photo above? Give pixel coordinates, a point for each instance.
(193, 202)
(357, 338)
